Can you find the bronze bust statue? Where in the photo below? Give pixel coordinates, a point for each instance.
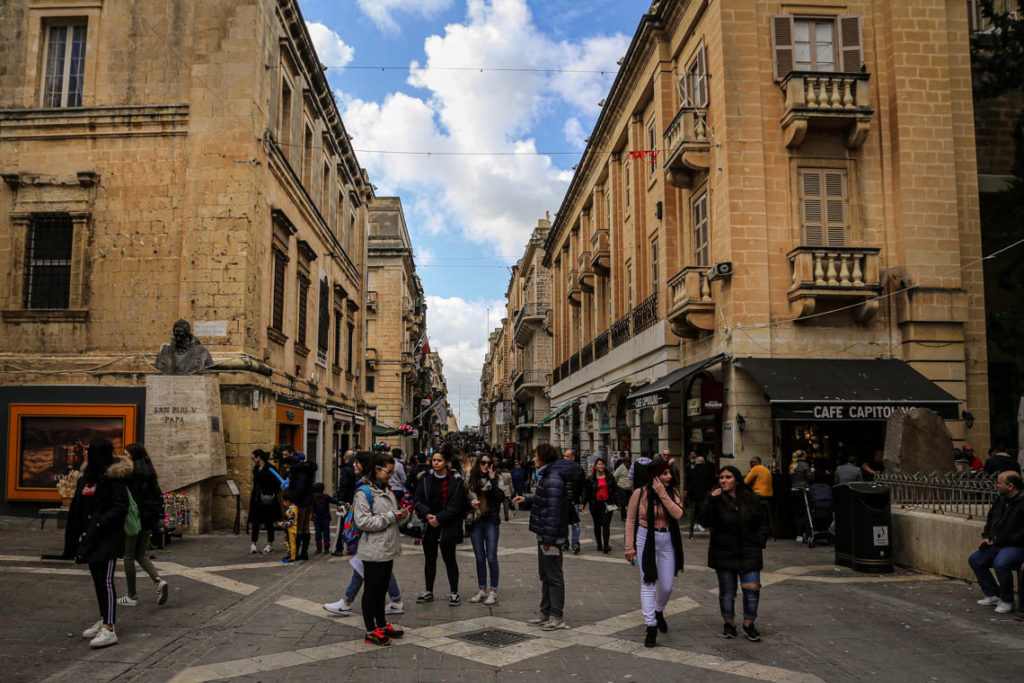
(184, 355)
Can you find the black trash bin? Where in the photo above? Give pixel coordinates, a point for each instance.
(863, 527)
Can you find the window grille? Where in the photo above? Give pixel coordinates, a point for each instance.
(48, 267)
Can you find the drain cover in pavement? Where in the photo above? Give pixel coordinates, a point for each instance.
(495, 637)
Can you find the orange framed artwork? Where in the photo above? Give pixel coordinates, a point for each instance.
(46, 441)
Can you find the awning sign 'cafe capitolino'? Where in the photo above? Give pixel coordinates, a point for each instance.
(852, 411)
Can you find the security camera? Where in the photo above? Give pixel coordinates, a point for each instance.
(723, 269)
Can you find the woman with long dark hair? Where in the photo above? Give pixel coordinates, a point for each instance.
(95, 530)
(652, 533)
(485, 494)
(263, 505)
(149, 499)
(601, 496)
(739, 531)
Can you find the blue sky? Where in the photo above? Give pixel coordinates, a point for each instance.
(470, 214)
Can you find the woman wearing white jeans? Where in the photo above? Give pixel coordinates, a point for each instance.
(655, 510)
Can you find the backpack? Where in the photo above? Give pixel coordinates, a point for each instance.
(132, 525)
(350, 533)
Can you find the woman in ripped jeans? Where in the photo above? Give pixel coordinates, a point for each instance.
(739, 530)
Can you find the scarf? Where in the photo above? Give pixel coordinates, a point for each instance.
(649, 562)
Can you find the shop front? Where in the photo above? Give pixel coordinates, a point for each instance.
(704, 401)
(290, 423)
(835, 409)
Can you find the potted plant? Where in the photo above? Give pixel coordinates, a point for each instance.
(66, 486)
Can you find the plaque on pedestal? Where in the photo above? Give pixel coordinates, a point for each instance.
(183, 429)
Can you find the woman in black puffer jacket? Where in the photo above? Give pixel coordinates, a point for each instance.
(739, 531)
(95, 530)
(263, 506)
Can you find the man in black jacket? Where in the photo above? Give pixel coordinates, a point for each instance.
(1002, 544)
(301, 479)
(347, 478)
(441, 503)
(551, 508)
(579, 486)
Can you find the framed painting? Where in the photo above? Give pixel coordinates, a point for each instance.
(46, 441)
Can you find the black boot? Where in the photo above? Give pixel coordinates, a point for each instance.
(652, 636)
(304, 547)
(662, 624)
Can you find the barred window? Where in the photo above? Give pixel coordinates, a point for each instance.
(48, 261)
(280, 266)
(65, 65)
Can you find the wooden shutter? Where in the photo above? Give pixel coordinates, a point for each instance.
(851, 44)
(700, 85)
(685, 90)
(280, 264)
(836, 202)
(782, 45)
(812, 200)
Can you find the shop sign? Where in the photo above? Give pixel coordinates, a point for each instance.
(850, 411)
(650, 400)
(693, 407)
(712, 397)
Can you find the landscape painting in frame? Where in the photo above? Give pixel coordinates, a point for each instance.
(48, 441)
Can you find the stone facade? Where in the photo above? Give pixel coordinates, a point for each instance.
(839, 192)
(193, 164)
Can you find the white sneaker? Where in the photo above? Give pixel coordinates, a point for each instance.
(698, 527)
(492, 598)
(480, 595)
(554, 624)
(989, 601)
(394, 608)
(267, 550)
(252, 549)
(799, 539)
(127, 601)
(539, 620)
(1004, 607)
(105, 638)
(161, 592)
(341, 608)
(93, 630)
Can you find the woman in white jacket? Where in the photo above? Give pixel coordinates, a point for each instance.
(377, 515)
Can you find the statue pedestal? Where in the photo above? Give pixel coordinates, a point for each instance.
(184, 437)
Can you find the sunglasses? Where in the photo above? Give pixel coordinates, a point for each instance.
(484, 462)
(389, 471)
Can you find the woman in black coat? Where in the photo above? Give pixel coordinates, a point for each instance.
(739, 531)
(601, 496)
(263, 507)
(149, 499)
(95, 530)
(441, 503)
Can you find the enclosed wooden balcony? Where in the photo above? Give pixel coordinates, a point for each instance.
(841, 275)
(529, 320)
(586, 272)
(691, 308)
(530, 380)
(686, 140)
(827, 101)
(600, 252)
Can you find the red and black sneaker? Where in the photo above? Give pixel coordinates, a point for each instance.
(393, 631)
(377, 637)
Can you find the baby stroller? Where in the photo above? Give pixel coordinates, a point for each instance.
(818, 499)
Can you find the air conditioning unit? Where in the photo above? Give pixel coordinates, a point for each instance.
(723, 269)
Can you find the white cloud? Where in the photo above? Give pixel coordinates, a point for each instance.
(458, 332)
(494, 200)
(381, 12)
(574, 133)
(330, 48)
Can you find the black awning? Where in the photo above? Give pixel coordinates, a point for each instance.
(656, 393)
(834, 389)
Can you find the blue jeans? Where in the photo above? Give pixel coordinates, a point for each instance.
(485, 546)
(322, 529)
(575, 535)
(1003, 561)
(357, 582)
(727, 593)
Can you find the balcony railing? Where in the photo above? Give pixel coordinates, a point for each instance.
(565, 369)
(620, 330)
(586, 272)
(601, 344)
(824, 101)
(574, 362)
(530, 418)
(530, 379)
(691, 309)
(586, 355)
(686, 140)
(556, 375)
(838, 273)
(528, 320)
(646, 314)
(600, 252)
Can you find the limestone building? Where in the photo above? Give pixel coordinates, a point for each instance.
(398, 376)
(166, 161)
(771, 241)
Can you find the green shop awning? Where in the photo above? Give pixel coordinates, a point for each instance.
(384, 430)
(556, 412)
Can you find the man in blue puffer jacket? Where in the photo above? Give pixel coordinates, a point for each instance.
(549, 519)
